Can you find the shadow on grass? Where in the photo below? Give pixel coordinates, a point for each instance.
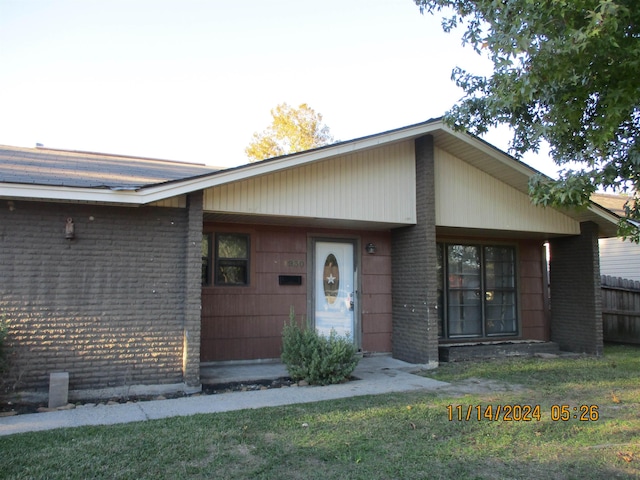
(405, 435)
(620, 363)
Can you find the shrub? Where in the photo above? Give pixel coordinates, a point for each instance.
(315, 358)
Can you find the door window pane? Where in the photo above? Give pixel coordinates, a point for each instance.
(464, 310)
(500, 294)
(500, 313)
(499, 267)
(464, 313)
(331, 279)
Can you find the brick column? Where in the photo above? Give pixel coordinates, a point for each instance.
(193, 292)
(414, 287)
(576, 297)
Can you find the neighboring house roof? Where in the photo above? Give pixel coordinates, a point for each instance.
(155, 180)
(63, 168)
(615, 203)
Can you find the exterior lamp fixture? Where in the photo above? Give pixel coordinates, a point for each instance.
(370, 248)
(69, 229)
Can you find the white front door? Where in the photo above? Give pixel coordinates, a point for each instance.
(335, 288)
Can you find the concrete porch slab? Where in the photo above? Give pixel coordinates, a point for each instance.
(483, 350)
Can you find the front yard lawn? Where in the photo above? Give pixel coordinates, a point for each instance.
(409, 435)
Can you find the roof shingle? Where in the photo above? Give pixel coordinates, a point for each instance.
(38, 166)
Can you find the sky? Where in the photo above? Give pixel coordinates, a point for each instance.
(192, 80)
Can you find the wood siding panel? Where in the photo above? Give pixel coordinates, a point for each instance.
(376, 185)
(173, 202)
(534, 313)
(245, 323)
(466, 197)
(376, 342)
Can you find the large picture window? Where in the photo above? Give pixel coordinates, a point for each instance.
(476, 291)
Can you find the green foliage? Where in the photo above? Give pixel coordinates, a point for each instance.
(292, 130)
(315, 358)
(565, 71)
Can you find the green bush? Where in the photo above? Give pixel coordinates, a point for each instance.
(315, 358)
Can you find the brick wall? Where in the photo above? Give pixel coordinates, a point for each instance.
(576, 299)
(415, 322)
(108, 307)
(193, 291)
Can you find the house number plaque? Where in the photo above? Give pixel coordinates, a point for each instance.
(294, 263)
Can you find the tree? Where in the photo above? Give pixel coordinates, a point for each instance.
(565, 71)
(292, 130)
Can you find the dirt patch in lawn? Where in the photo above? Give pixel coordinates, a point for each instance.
(479, 386)
(15, 406)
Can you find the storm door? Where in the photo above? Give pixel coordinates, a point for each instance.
(335, 288)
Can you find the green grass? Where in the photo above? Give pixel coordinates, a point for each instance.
(387, 436)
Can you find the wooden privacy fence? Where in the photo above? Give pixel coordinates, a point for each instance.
(620, 310)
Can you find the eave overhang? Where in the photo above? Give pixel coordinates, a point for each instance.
(468, 147)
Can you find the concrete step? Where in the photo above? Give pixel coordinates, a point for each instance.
(461, 352)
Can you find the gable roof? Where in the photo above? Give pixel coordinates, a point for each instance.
(133, 181)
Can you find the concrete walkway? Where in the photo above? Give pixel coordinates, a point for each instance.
(377, 375)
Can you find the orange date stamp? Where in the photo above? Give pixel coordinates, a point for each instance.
(521, 413)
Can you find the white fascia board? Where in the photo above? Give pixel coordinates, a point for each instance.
(173, 189)
(222, 177)
(152, 194)
(605, 214)
(61, 193)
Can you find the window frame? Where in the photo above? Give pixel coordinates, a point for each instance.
(230, 261)
(444, 290)
(206, 259)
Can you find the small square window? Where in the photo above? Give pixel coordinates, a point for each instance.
(231, 259)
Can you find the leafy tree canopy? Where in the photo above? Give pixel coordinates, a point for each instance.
(292, 130)
(565, 71)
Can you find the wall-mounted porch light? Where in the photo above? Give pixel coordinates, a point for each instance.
(370, 248)
(69, 229)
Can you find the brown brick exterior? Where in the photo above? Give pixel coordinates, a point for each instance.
(413, 252)
(193, 291)
(108, 306)
(576, 299)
